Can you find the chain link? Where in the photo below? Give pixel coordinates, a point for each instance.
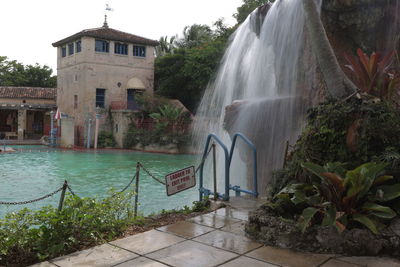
(127, 186)
(31, 201)
(70, 190)
(151, 175)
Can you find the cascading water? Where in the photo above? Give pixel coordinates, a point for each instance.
(267, 68)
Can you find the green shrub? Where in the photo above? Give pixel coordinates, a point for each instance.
(106, 139)
(352, 132)
(30, 236)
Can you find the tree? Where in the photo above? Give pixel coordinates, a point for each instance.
(247, 7)
(166, 46)
(13, 73)
(195, 35)
(184, 75)
(337, 83)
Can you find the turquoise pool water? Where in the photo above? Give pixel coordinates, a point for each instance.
(32, 172)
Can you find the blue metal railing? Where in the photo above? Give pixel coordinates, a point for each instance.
(228, 160)
(236, 188)
(203, 190)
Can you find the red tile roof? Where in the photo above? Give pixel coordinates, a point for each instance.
(109, 34)
(28, 92)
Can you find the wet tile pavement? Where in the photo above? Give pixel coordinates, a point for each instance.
(213, 239)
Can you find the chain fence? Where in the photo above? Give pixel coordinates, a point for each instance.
(66, 186)
(33, 200)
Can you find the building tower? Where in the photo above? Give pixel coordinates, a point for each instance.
(102, 68)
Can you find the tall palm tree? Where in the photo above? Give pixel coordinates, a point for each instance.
(337, 83)
(194, 35)
(166, 46)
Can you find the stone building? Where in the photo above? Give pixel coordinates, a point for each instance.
(25, 111)
(101, 70)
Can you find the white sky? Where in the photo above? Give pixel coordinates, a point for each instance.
(29, 27)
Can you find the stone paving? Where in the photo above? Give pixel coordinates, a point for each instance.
(213, 239)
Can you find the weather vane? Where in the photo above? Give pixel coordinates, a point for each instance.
(109, 9)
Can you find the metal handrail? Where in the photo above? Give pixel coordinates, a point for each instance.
(202, 190)
(253, 147)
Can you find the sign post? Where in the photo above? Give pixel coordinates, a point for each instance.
(180, 180)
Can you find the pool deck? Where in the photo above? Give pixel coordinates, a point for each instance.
(213, 239)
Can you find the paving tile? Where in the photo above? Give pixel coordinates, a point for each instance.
(147, 242)
(371, 261)
(104, 255)
(190, 253)
(233, 213)
(186, 229)
(141, 262)
(337, 263)
(228, 241)
(42, 264)
(236, 228)
(246, 202)
(245, 261)
(286, 257)
(212, 220)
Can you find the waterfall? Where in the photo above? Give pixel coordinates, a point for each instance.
(265, 79)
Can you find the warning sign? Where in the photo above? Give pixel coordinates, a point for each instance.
(180, 180)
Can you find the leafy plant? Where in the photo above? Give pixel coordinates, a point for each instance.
(106, 139)
(372, 73)
(29, 236)
(168, 118)
(328, 199)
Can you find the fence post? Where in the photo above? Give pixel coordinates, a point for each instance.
(64, 188)
(215, 171)
(136, 189)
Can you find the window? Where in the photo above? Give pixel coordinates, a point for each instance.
(100, 97)
(139, 51)
(131, 101)
(75, 101)
(78, 45)
(121, 49)
(70, 49)
(101, 46)
(64, 51)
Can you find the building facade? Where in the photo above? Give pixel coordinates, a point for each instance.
(102, 70)
(25, 112)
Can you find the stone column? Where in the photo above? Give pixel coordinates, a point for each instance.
(21, 123)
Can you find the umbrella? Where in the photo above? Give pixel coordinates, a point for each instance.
(57, 116)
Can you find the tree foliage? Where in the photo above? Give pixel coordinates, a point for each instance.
(184, 72)
(247, 7)
(13, 73)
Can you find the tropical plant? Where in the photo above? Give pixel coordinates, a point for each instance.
(168, 117)
(362, 196)
(195, 35)
(166, 46)
(372, 73)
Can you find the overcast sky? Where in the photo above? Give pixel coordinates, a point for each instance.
(29, 27)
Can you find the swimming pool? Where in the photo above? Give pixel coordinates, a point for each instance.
(34, 171)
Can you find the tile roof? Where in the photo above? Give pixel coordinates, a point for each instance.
(107, 33)
(28, 92)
